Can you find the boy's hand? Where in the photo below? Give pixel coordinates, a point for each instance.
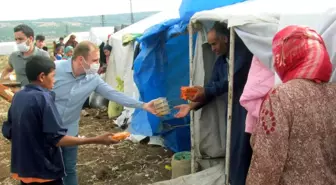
(105, 139)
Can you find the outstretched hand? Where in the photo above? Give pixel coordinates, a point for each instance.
(184, 110)
(106, 139)
(149, 107)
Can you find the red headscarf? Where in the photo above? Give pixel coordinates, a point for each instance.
(300, 53)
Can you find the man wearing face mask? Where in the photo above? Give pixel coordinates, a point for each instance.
(76, 79)
(24, 37)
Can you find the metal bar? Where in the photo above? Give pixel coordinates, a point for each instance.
(229, 109)
(103, 20)
(192, 130)
(131, 10)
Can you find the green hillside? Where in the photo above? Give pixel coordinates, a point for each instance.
(54, 28)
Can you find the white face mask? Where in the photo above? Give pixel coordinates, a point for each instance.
(23, 47)
(93, 69)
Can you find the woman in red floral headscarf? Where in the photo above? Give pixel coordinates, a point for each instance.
(295, 139)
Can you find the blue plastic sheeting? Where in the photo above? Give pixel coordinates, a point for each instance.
(161, 68)
(166, 29)
(157, 74)
(189, 7)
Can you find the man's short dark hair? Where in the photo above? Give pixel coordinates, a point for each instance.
(40, 38)
(61, 38)
(221, 29)
(38, 65)
(28, 31)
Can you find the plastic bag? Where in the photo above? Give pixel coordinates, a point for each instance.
(124, 118)
(114, 109)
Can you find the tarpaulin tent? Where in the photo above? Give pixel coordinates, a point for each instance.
(122, 58)
(189, 7)
(7, 48)
(98, 35)
(255, 22)
(161, 68)
(80, 36)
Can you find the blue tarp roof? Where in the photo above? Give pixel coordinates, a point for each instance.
(189, 7)
(161, 68)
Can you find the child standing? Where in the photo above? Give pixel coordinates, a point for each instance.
(68, 52)
(59, 53)
(35, 130)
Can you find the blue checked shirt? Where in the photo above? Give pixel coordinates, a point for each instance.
(72, 92)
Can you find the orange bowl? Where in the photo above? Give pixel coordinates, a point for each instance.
(188, 92)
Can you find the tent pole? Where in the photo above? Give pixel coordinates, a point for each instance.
(229, 109)
(192, 131)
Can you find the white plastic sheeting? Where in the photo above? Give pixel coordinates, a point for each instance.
(255, 22)
(206, 177)
(208, 133)
(7, 48)
(98, 35)
(80, 36)
(259, 20)
(121, 60)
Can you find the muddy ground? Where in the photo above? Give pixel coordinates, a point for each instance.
(125, 163)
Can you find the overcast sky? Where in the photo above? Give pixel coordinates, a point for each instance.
(36, 9)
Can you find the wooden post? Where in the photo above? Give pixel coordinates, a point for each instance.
(192, 128)
(229, 109)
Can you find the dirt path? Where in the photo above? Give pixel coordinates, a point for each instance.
(125, 163)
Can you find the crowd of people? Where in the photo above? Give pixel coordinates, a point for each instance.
(291, 140)
(65, 51)
(44, 115)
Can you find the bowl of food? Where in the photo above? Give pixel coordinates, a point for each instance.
(188, 93)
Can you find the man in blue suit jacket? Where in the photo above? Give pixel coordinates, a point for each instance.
(241, 152)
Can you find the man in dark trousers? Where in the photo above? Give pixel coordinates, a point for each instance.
(241, 152)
